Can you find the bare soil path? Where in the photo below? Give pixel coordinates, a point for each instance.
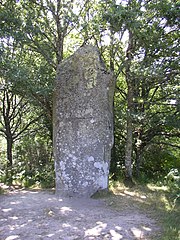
(35, 215)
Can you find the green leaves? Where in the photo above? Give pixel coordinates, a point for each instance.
(138, 40)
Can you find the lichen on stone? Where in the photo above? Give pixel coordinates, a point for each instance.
(83, 120)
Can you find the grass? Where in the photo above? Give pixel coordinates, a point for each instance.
(2, 188)
(158, 202)
(1, 191)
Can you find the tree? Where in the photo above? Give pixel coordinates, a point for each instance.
(13, 111)
(41, 29)
(149, 66)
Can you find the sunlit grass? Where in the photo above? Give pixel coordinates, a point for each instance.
(156, 201)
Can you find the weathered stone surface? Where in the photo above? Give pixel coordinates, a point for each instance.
(83, 124)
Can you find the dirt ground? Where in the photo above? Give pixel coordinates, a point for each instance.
(36, 214)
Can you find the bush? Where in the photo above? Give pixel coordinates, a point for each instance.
(157, 162)
(173, 182)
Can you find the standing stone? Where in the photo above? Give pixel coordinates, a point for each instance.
(83, 124)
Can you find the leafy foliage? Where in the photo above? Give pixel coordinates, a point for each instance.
(138, 41)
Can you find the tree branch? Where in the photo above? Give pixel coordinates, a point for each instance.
(26, 127)
(168, 144)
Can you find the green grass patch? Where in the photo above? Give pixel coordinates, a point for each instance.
(1, 191)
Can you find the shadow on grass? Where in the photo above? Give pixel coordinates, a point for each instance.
(153, 200)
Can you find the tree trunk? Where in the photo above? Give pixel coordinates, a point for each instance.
(130, 107)
(129, 126)
(9, 172)
(138, 150)
(61, 32)
(138, 162)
